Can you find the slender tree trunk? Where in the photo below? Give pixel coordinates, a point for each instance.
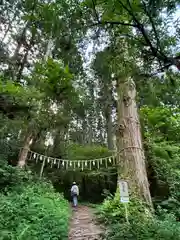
(59, 143)
(9, 26)
(90, 132)
(100, 127)
(129, 143)
(16, 59)
(109, 127)
(49, 47)
(84, 132)
(24, 152)
(114, 143)
(25, 58)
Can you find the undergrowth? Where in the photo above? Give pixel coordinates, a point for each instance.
(30, 209)
(142, 225)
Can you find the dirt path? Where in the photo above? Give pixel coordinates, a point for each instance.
(83, 226)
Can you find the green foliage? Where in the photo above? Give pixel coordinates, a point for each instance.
(138, 42)
(16, 93)
(139, 229)
(79, 152)
(12, 178)
(161, 129)
(152, 36)
(164, 158)
(112, 210)
(31, 209)
(142, 225)
(35, 213)
(9, 148)
(162, 120)
(54, 79)
(171, 205)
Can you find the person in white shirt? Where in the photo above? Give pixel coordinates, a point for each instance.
(75, 194)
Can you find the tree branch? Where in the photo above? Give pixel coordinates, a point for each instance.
(153, 25)
(156, 51)
(95, 12)
(140, 27)
(113, 23)
(108, 22)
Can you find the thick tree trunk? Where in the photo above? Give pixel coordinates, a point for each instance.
(129, 143)
(24, 152)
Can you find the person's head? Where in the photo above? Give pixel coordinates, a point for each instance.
(74, 183)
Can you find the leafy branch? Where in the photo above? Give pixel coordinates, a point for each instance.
(155, 50)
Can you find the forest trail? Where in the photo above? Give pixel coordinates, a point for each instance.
(82, 226)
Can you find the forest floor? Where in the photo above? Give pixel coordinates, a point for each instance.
(83, 226)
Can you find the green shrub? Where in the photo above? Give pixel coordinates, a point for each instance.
(30, 209)
(36, 213)
(146, 230)
(112, 210)
(78, 152)
(141, 226)
(170, 205)
(13, 178)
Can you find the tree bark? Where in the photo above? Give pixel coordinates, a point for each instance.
(59, 148)
(109, 127)
(24, 59)
(131, 159)
(24, 152)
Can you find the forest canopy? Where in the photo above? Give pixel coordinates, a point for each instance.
(85, 81)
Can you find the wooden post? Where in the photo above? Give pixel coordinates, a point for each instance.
(126, 212)
(42, 168)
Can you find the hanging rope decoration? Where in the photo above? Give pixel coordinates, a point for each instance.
(73, 164)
